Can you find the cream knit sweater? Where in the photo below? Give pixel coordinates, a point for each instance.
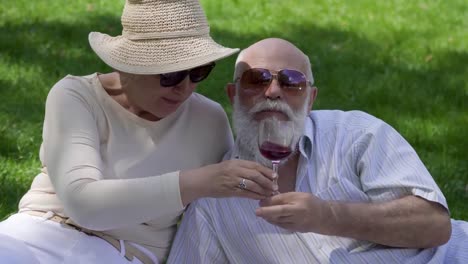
(109, 170)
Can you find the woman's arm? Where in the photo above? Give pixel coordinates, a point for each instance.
(75, 167)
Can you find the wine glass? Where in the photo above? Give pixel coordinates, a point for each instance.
(275, 143)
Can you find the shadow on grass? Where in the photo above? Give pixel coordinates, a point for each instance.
(350, 71)
(12, 191)
(8, 145)
(39, 54)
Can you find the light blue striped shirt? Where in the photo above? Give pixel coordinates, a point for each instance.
(346, 156)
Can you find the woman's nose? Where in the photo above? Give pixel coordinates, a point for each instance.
(184, 86)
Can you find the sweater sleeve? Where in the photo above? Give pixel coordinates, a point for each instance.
(75, 167)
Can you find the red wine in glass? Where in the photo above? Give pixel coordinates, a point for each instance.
(275, 143)
(273, 151)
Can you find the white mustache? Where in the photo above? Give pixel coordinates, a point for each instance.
(272, 105)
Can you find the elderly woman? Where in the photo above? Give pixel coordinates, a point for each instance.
(123, 153)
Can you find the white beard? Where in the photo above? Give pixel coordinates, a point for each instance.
(246, 127)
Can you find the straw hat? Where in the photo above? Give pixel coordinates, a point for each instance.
(159, 36)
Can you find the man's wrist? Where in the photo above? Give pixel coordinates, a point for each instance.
(332, 224)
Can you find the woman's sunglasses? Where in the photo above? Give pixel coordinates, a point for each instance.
(256, 80)
(196, 75)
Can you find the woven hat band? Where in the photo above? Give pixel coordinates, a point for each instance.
(166, 35)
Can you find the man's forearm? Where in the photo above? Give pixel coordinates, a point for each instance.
(406, 222)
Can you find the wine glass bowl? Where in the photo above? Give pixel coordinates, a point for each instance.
(275, 142)
(274, 152)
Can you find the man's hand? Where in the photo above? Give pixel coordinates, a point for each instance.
(294, 211)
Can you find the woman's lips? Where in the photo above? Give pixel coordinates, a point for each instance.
(170, 101)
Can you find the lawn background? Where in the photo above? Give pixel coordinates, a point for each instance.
(405, 62)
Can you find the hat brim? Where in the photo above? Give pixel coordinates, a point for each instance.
(157, 56)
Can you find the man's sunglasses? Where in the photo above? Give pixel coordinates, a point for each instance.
(196, 75)
(256, 80)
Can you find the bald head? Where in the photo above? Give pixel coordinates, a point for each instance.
(273, 54)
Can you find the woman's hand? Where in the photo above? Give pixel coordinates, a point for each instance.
(224, 180)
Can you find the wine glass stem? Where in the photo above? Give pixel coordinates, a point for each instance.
(275, 176)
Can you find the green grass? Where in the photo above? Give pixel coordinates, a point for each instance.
(405, 62)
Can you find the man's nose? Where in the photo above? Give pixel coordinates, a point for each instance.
(274, 90)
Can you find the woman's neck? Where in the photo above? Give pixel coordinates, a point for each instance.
(113, 87)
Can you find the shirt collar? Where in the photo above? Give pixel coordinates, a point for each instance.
(305, 142)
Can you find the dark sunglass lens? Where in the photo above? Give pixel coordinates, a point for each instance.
(256, 78)
(292, 79)
(200, 73)
(173, 78)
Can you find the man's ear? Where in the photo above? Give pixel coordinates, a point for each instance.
(231, 92)
(313, 95)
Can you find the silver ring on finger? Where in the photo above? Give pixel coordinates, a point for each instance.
(242, 184)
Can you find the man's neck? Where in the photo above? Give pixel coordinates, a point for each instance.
(287, 174)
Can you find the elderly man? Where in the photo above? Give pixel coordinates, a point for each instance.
(353, 191)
